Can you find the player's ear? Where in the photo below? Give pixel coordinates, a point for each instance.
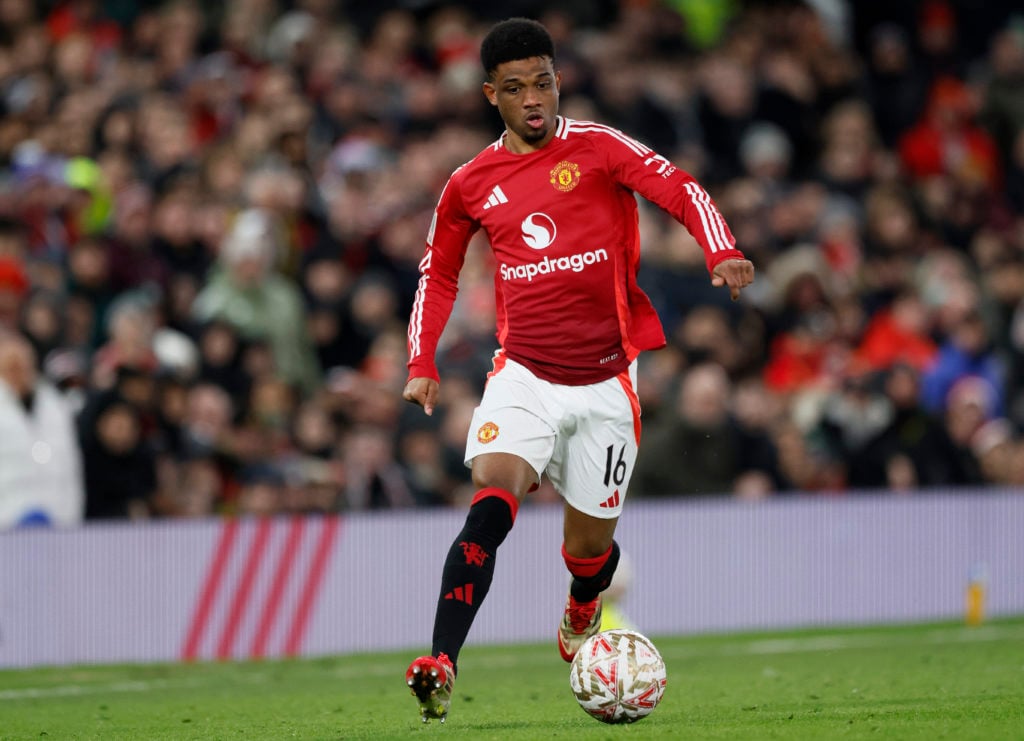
(490, 93)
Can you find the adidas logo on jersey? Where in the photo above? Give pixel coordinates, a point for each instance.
(496, 198)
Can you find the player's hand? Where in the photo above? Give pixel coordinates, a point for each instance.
(422, 391)
(737, 274)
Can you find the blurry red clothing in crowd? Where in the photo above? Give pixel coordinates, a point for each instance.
(887, 341)
(947, 141)
(797, 360)
(82, 16)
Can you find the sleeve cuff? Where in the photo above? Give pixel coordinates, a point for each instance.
(716, 258)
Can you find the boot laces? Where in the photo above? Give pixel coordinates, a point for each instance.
(581, 614)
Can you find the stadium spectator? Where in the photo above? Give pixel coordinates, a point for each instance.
(756, 412)
(373, 477)
(967, 353)
(898, 333)
(40, 460)
(260, 491)
(1002, 112)
(248, 292)
(969, 407)
(131, 325)
(696, 450)
(850, 417)
(14, 284)
(947, 141)
(896, 83)
(911, 436)
(120, 465)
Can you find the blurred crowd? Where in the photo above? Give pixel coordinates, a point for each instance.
(211, 217)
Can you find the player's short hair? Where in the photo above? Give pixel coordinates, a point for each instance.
(515, 38)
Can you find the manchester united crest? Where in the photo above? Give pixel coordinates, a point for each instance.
(487, 432)
(565, 176)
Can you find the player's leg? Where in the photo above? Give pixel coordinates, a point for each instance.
(507, 448)
(592, 470)
(502, 480)
(591, 556)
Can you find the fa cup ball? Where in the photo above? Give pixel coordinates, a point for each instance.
(618, 676)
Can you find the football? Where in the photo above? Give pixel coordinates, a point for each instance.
(618, 676)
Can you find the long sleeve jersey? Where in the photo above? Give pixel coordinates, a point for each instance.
(562, 222)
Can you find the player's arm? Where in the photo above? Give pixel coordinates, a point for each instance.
(450, 231)
(658, 180)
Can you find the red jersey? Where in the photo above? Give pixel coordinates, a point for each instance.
(563, 225)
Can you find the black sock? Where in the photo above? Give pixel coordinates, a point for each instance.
(591, 576)
(469, 568)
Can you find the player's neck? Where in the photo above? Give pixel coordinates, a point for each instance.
(516, 145)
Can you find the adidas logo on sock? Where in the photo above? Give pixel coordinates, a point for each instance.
(496, 197)
(462, 594)
(612, 501)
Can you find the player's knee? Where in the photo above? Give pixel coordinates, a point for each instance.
(504, 471)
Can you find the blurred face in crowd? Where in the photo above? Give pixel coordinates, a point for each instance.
(730, 86)
(248, 272)
(15, 12)
(132, 328)
(10, 307)
(259, 498)
(272, 401)
(525, 92)
(118, 429)
(79, 318)
(218, 345)
(971, 335)
(369, 448)
(174, 219)
(132, 218)
(224, 172)
(12, 245)
(328, 280)
(89, 264)
(902, 385)
(208, 412)
(890, 220)
(966, 408)
(754, 405)
(17, 365)
(198, 494)
(314, 431)
(703, 398)
(42, 320)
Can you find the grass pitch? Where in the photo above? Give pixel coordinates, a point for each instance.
(906, 682)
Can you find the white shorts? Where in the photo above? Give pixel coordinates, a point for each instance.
(583, 437)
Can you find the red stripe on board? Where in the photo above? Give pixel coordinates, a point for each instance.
(241, 599)
(274, 599)
(211, 585)
(311, 589)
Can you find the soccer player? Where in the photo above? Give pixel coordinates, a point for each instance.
(556, 198)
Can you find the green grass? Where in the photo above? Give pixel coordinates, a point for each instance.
(906, 682)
